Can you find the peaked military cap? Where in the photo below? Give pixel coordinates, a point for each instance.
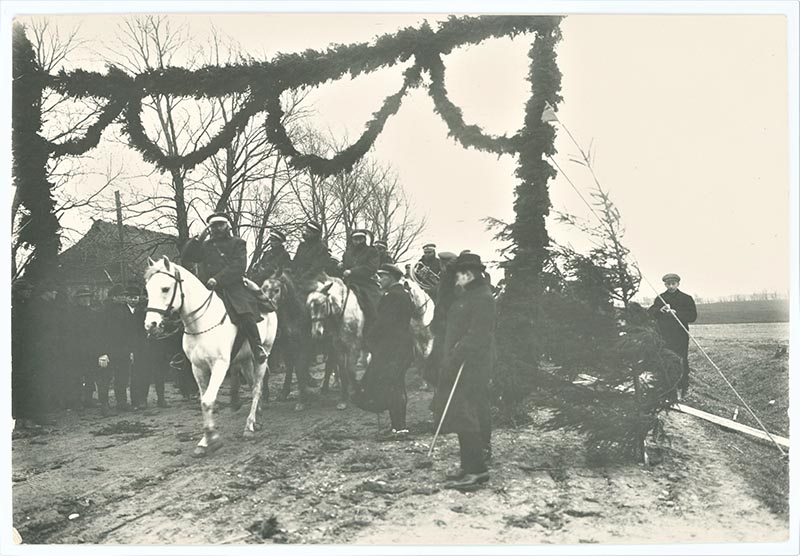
(381, 243)
(671, 277)
(277, 234)
(429, 246)
(220, 217)
(392, 270)
(313, 226)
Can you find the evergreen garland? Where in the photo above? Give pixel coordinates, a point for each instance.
(264, 82)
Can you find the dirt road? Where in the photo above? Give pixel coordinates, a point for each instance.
(322, 476)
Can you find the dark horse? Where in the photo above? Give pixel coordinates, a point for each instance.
(293, 342)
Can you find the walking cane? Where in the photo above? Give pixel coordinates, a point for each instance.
(446, 406)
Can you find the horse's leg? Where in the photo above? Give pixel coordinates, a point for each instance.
(288, 365)
(235, 384)
(257, 375)
(201, 374)
(211, 440)
(346, 359)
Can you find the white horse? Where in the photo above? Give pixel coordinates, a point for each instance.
(334, 310)
(421, 320)
(208, 340)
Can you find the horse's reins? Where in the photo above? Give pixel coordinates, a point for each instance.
(171, 309)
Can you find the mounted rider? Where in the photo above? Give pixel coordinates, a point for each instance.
(385, 257)
(360, 264)
(311, 256)
(223, 261)
(274, 258)
(427, 270)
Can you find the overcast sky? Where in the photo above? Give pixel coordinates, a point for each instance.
(688, 115)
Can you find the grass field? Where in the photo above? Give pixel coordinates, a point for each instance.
(754, 358)
(756, 311)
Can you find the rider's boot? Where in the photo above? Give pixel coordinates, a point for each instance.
(250, 329)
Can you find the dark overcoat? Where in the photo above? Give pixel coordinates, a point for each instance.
(273, 259)
(468, 339)
(675, 338)
(225, 260)
(392, 345)
(310, 259)
(123, 332)
(363, 262)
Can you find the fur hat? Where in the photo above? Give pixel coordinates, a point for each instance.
(469, 261)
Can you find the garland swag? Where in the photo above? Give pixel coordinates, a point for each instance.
(264, 82)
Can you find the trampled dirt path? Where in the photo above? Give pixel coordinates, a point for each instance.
(322, 476)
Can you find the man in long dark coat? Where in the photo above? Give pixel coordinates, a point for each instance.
(123, 333)
(469, 341)
(391, 343)
(83, 349)
(360, 263)
(446, 292)
(223, 262)
(274, 258)
(670, 304)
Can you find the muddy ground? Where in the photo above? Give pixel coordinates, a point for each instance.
(323, 476)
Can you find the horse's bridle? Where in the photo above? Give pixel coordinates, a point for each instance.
(170, 310)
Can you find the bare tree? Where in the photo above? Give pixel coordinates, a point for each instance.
(150, 43)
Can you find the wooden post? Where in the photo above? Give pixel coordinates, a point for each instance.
(121, 247)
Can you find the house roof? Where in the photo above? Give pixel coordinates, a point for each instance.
(97, 255)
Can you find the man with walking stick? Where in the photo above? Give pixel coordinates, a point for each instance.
(461, 402)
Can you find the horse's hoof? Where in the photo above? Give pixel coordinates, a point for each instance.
(248, 435)
(341, 405)
(257, 426)
(299, 407)
(199, 452)
(214, 445)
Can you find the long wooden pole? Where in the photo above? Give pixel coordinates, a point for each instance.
(121, 247)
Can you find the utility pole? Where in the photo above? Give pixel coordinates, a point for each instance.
(121, 247)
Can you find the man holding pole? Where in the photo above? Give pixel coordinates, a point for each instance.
(461, 402)
(673, 311)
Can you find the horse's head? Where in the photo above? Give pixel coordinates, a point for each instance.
(322, 304)
(164, 293)
(274, 290)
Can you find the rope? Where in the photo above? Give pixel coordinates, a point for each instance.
(675, 316)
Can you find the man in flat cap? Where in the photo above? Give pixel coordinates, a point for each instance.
(673, 310)
(391, 343)
(273, 259)
(223, 262)
(468, 342)
(360, 263)
(311, 257)
(382, 246)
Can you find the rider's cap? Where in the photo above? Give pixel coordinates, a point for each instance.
(277, 234)
(429, 246)
(220, 217)
(671, 277)
(313, 226)
(447, 256)
(381, 243)
(392, 270)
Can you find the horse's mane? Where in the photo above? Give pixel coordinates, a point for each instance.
(289, 302)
